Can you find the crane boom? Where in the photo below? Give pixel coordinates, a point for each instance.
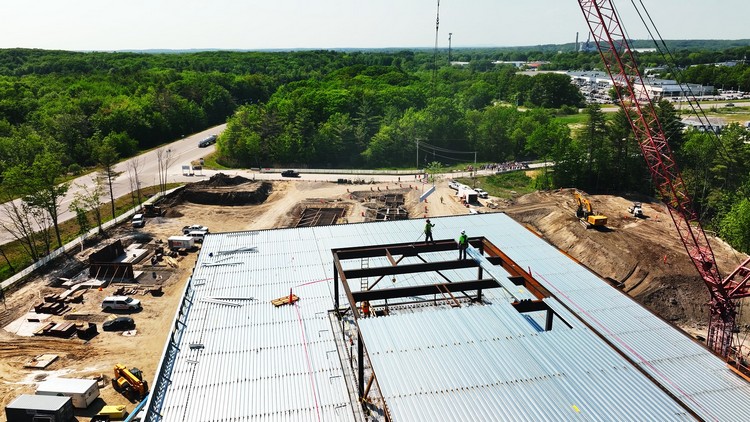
(610, 40)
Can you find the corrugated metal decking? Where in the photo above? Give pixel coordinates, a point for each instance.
(238, 358)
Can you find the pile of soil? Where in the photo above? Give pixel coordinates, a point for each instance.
(222, 189)
(643, 256)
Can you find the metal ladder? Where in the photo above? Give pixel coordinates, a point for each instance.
(364, 281)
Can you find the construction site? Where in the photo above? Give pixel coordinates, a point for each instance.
(46, 322)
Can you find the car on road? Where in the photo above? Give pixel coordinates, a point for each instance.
(207, 141)
(119, 324)
(290, 173)
(194, 227)
(120, 303)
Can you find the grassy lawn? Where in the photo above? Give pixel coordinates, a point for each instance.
(505, 185)
(69, 230)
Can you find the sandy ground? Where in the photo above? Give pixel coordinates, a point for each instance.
(642, 254)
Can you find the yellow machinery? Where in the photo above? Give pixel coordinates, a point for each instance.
(129, 382)
(586, 214)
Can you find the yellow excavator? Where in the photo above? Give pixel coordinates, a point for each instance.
(130, 383)
(586, 214)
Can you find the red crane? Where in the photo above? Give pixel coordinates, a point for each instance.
(620, 63)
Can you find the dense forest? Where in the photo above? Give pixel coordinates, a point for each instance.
(61, 112)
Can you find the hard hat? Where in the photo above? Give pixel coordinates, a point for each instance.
(463, 232)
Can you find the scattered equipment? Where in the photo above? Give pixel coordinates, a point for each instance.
(586, 214)
(636, 210)
(129, 382)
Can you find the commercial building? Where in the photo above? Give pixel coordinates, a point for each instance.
(363, 322)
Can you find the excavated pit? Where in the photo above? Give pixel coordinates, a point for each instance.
(222, 189)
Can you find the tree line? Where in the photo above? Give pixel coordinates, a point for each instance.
(62, 112)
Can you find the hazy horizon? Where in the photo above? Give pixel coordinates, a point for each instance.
(140, 25)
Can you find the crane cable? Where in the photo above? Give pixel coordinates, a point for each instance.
(669, 60)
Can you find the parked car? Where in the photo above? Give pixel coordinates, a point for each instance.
(194, 227)
(139, 220)
(453, 184)
(120, 303)
(481, 193)
(289, 173)
(119, 324)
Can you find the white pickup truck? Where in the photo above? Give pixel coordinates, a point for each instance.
(193, 228)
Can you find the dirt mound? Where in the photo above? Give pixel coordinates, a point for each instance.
(221, 180)
(643, 256)
(225, 190)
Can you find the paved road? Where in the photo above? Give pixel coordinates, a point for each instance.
(186, 150)
(182, 152)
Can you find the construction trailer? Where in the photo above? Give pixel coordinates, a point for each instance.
(181, 242)
(82, 392)
(32, 408)
(468, 195)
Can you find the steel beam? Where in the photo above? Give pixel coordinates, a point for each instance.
(410, 268)
(428, 289)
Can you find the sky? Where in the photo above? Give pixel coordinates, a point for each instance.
(102, 25)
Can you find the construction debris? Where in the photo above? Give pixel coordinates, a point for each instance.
(40, 361)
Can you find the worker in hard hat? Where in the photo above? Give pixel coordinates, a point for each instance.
(463, 243)
(428, 232)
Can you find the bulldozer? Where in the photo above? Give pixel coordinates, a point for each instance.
(130, 383)
(586, 214)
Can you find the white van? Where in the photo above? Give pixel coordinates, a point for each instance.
(139, 220)
(198, 235)
(121, 303)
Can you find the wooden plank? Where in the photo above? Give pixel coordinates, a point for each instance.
(284, 300)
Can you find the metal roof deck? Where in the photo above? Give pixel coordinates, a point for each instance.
(235, 357)
(486, 363)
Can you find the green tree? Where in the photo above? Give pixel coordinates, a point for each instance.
(107, 158)
(735, 226)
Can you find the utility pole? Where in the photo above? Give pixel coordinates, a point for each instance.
(450, 35)
(417, 154)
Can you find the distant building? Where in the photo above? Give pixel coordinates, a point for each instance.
(705, 125)
(595, 86)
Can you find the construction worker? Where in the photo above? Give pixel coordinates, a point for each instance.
(365, 309)
(428, 232)
(463, 243)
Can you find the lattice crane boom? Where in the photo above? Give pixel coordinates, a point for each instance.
(619, 61)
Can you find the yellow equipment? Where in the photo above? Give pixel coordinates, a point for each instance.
(115, 413)
(586, 214)
(130, 383)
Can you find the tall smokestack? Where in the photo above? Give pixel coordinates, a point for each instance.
(576, 40)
